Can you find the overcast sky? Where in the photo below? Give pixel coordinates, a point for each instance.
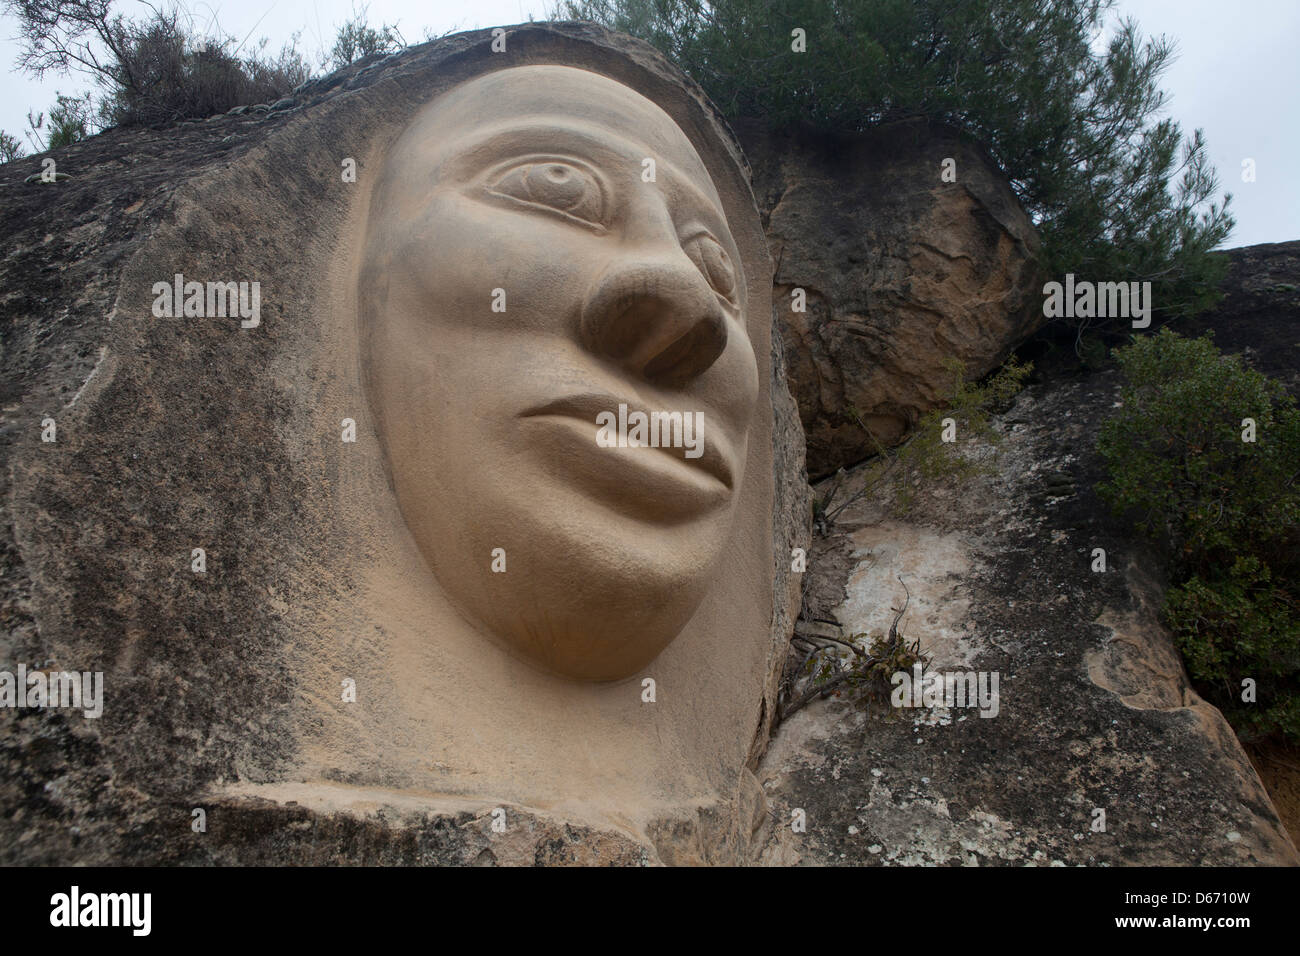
(1237, 75)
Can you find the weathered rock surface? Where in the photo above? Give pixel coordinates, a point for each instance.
(177, 432)
(1095, 709)
(1259, 314)
(901, 270)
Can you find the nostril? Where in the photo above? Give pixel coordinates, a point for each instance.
(690, 355)
(620, 330)
(660, 322)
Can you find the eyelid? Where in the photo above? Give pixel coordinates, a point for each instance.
(695, 231)
(498, 171)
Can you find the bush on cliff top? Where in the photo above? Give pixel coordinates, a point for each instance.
(152, 70)
(1205, 455)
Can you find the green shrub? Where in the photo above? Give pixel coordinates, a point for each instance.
(1178, 461)
(151, 69)
(1226, 508)
(70, 121)
(11, 147)
(164, 75)
(1242, 625)
(356, 39)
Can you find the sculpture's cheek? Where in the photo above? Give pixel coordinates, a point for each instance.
(495, 269)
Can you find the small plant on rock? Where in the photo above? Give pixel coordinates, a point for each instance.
(925, 458)
(821, 669)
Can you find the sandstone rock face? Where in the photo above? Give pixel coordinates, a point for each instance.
(1260, 307)
(1094, 710)
(175, 433)
(901, 271)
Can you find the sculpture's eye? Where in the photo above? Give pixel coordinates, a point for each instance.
(712, 260)
(556, 185)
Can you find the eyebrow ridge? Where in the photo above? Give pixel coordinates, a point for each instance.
(595, 136)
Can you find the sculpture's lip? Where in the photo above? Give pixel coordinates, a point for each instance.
(715, 457)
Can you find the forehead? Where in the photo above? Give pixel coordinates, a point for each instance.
(531, 95)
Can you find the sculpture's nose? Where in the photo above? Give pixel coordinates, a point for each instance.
(656, 316)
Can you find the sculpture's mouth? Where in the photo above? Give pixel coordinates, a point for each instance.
(664, 457)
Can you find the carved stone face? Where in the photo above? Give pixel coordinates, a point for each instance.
(520, 277)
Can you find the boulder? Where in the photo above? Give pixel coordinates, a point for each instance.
(132, 437)
(900, 271)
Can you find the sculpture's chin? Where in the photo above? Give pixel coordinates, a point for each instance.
(594, 614)
(610, 655)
